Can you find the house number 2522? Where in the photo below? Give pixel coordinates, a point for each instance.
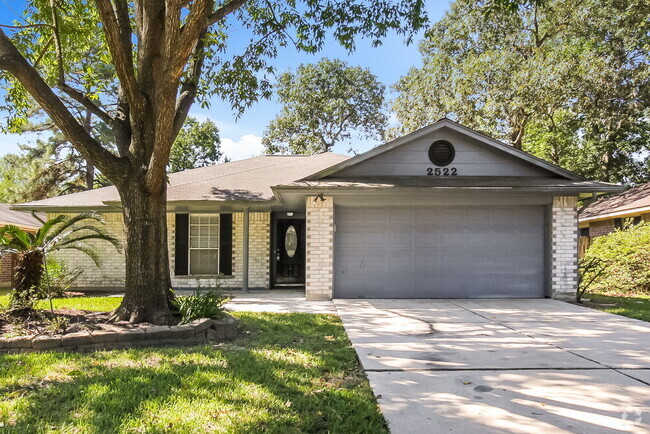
(442, 171)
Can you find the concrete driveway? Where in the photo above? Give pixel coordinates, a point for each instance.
(475, 366)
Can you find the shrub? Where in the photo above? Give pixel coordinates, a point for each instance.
(207, 304)
(59, 278)
(625, 256)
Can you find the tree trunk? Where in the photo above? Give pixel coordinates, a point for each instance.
(90, 175)
(28, 276)
(147, 296)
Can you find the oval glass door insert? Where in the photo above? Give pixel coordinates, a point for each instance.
(291, 241)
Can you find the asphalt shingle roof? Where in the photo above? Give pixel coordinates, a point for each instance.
(249, 179)
(637, 197)
(18, 218)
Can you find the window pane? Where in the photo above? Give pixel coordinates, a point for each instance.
(204, 261)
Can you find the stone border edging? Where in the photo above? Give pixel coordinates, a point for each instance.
(200, 331)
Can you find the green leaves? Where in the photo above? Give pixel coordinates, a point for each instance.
(324, 104)
(568, 82)
(197, 145)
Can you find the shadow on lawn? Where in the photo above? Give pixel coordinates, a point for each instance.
(291, 372)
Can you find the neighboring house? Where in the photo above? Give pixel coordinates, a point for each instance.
(609, 213)
(24, 221)
(444, 212)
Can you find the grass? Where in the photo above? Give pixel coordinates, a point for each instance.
(287, 373)
(102, 304)
(637, 306)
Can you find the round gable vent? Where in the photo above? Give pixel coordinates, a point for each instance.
(442, 153)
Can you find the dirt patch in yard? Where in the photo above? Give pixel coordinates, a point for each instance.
(58, 322)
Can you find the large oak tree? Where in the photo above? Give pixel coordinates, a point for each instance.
(166, 55)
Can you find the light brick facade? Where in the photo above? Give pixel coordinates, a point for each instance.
(320, 248)
(110, 275)
(564, 248)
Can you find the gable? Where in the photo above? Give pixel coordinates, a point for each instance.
(472, 158)
(406, 157)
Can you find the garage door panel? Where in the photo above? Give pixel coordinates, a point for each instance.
(457, 215)
(349, 239)
(453, 237)
(427, 216)
(401, 217)
(428, 288)
(376, 216)
(401, 262)
(375, 238)
(427, 262)
(440, 252)
(401, 288)
(426, 237)
(401, 238)
(531, 217)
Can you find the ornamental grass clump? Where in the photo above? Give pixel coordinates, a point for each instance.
(200, 304)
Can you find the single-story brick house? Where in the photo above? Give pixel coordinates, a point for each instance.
(608, 213)
(24, 221)
(444, 212)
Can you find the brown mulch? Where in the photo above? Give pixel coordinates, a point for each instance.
(58, 322)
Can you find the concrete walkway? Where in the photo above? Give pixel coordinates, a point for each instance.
(473, 366)
(277, 301)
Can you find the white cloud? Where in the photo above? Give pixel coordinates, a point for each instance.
(247, 146)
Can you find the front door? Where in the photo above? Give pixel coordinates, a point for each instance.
(289, 253)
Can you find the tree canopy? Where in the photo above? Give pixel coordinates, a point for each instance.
(566, 81)
(197, 145)
(162, 57)
(324, 104)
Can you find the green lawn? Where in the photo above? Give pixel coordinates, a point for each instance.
(103, 304)
(287, 373)
(634, 307)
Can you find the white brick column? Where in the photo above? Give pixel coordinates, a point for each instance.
(320, 248)
(564, 248)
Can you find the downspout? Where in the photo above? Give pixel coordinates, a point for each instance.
(244, 280)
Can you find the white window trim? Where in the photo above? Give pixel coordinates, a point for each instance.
(189, 243)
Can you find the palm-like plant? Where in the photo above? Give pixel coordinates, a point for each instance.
(59, 233)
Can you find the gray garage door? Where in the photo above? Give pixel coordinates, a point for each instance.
(439, 252)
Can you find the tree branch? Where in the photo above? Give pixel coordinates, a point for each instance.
(225, 10)
(190, 87)
(86, 102)
(190, 32)
(15, 63)
(120, 51)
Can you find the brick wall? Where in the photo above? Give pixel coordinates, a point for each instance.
(646, 217)
(564, 245)
(602, 227)
(110, 275)
(320, 249)
(5, 270)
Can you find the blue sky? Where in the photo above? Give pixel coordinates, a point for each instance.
(241, 137)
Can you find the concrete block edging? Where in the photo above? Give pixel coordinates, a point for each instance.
(201, 331)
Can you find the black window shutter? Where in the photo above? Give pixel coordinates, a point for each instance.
(182, 245)
(225, 244)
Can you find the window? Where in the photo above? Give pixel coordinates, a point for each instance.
(584, 232)
(204, 244)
